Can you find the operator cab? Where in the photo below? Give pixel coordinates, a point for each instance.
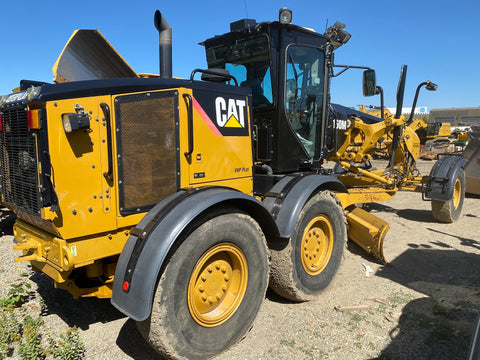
(285, 66)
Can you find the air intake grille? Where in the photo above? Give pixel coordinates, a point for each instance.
(147, 142)
(18, 159)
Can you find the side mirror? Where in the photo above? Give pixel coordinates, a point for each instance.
(431, 86)
(369, 83)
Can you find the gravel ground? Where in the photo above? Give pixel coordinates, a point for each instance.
(421, 306)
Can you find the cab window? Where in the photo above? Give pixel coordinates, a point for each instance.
(249, 61)
(304, 86)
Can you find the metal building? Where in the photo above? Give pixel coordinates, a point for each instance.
(456, 116)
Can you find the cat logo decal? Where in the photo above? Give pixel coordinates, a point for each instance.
(230, 113)
(225, 115)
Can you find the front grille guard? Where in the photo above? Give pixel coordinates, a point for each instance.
(18, 157)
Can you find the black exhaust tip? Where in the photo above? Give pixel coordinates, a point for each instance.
(165, 44)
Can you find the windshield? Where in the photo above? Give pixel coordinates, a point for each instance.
(249, 61)
(304, 85)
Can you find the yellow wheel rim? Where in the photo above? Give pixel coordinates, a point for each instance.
(457, 193)
(317, 245)
(217, 285)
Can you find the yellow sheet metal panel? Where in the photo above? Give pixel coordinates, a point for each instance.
(129, 221)
(222, 138)
(241, 184)
(87, 202)
(45, 250)
(90, 248)
(185, 105)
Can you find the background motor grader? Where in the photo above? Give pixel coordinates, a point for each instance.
(182, 200)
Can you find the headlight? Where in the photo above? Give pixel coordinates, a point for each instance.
(32, 92)
(73, 122)
(3, 98)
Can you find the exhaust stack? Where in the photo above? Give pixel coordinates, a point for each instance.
(165, 44)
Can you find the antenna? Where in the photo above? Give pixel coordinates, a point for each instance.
(246, 9)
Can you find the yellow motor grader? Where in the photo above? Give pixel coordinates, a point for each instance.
(183, 199)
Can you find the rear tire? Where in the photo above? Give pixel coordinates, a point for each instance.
(449, 211)
(211, 289)
(305, 266)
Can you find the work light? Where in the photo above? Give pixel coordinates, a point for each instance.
(285, 16)
(73, 122)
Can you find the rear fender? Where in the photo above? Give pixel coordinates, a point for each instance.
(441, 181)
(286, 199)
(150, 241)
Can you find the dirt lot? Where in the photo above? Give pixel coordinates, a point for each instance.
(421, 306)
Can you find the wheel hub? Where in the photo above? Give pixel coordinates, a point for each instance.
(217, 285)
(317, 245)
(457, 190)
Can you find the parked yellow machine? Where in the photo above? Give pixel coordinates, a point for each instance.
(183, 199)
(438, 129)
(438, 137)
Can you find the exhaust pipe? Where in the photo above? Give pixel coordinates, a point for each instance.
(165, 44)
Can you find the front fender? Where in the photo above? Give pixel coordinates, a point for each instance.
(286, 199)
(150, 241)
(441, 181)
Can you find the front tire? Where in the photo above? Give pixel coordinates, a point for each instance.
(450, 210)
(211, 289)
(307, 264)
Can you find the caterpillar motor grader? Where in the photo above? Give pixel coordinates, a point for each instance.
(182, 199)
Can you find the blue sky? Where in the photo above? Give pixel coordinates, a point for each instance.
(438, 40)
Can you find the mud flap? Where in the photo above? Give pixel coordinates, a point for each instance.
(368, 231)
(441, 181)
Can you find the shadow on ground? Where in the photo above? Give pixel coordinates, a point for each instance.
(423, 216)
(81, 312)
(133, 344)
(440, 325)
(84, 312)
(7, 219)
